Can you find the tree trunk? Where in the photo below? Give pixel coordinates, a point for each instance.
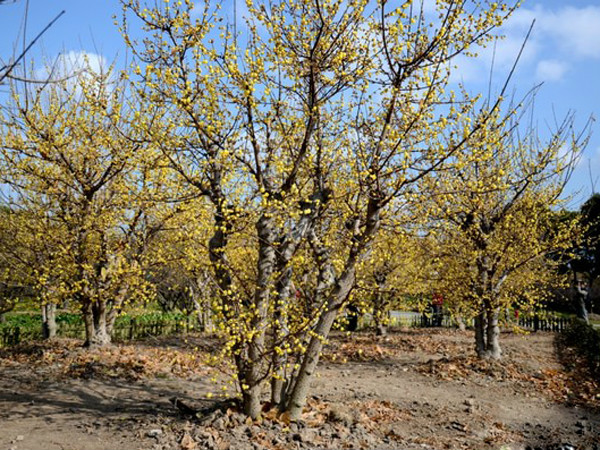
(580, 308)
(380, 309)
(380, 323)
(581, 293)
(203, 312)
(286, 292)
(297, 398)
(251, 376)
(493, 349)
(97, 333)
(343, 286)
(325, 281)
(2, 318)
(299, 392)
(49, 321)
(280, 331)
(480, 334)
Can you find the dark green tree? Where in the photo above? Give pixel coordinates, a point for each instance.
(585, 265)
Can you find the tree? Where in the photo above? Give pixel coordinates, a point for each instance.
(301, 132)
(584, 258)
(69, 154)
(498, 206)
(180, 274)
(25, 248)
(15, 273)
(395, 273)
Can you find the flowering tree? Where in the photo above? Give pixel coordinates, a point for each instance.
(69, 154)
(498, 204)
(301, 130)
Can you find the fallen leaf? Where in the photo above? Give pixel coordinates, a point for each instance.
(187, 442)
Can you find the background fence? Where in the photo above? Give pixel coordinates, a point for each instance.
(125, 329)
(131, 328)
(556, 324)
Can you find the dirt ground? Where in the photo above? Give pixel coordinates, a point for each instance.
(416, 389)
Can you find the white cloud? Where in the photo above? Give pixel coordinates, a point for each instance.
(574, 30)
(73, 63)
(569, 30)
(560, 38)
(73, 67)
(551, 70)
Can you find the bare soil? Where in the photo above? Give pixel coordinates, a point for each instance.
(416, 389)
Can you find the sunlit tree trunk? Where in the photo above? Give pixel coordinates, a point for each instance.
(49, 320)
(97, 333)
(251, 392)
(299, 393)
(492, 350)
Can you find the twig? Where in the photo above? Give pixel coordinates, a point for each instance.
(9, 69)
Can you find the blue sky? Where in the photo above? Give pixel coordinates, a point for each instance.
(563, 53)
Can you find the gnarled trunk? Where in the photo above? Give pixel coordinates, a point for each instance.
(380, 309)
(286, 291)
(460, 322)
(204, 315)
(582, 291)
(97, 327)
(487, 332)
(280, 330)
(381, 322)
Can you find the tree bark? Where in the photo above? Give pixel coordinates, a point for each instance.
(299, 392)
(204, 315)
(280, 327)
(381, 330)
(493, 349)
(286, 291)
(580, 307)
(380, 322)
(251, 390)
(49, 321)
(97, 333)
(480, 334)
